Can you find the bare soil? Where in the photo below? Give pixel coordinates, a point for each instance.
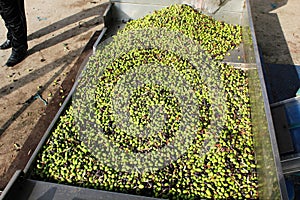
(277, 30)
(57, 32)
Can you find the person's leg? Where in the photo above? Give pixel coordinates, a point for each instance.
(15, 20)
(9, 35)
(7, 43)
(21, 36)
(23, 17)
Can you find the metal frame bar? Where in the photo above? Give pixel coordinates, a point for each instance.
(10, 184)
(267, 107)
(56, 118)
(32, 190)
(291, 165)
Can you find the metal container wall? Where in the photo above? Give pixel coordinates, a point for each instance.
(271, 180)
(270, 176)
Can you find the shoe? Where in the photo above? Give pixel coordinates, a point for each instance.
(16, 57)
(6, 45)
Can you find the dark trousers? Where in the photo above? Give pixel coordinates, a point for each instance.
(13, 14)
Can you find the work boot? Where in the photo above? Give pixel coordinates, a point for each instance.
(6, 45)
(16, 57)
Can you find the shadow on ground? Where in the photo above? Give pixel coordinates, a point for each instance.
(96, 11)
(44, 122)
(281, 75)
(36, 74)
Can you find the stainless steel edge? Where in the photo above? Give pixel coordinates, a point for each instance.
(99, 39)
(10, 184)
(280, 177)
(286, 101)
(29, 189)
(56, 118)
(107, 10)
(107, 15)
(291, 165)
(50, 128)
(58, 114)
(153, 2)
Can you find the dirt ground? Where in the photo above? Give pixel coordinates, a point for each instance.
(58, 31)
(277, 29)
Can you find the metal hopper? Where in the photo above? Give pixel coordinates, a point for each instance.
(271, 180)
